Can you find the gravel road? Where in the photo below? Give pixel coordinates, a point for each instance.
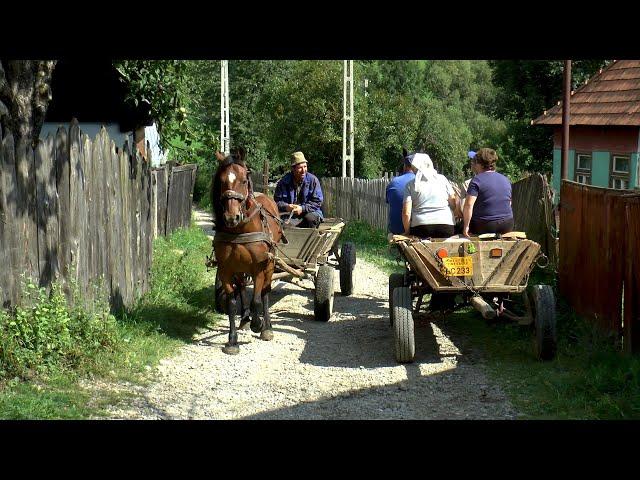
(342, 369)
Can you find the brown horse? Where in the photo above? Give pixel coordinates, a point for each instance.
(247, 228)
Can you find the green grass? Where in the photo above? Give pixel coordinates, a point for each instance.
(589, 379)
(178, 305)
(372, 245)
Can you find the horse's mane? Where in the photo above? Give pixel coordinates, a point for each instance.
(216, 188)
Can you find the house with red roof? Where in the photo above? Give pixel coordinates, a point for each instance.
(604, 134)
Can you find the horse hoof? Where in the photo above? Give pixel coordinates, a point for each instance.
(267, 335)
(231, 349)
(244, 325)
(256, 325)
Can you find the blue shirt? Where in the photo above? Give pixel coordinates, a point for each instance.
(493, 192)
(395, 195)
(310, 196)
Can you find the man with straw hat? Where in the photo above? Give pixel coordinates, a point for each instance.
(299, 196)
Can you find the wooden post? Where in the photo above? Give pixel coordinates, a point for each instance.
(566, 119)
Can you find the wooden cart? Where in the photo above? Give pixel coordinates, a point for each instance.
(484, 273)
(313, 253)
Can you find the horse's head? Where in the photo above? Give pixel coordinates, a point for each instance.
(232, 188)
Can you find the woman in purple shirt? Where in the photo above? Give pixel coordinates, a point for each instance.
(487, 208)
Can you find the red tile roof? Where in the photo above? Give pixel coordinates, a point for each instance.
(611, 97)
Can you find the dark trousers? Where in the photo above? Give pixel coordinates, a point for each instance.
(479, 227)
(308, 220)
(432, 231)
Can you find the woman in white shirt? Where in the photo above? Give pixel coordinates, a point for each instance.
(429, 201)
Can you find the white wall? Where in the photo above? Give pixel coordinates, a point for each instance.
(91, 129)
(158, 157)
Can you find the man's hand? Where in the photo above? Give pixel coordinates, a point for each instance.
(296, 209)
(465, 232)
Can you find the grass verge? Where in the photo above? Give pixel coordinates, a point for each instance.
(372, 245)
(589, 379)
(49, 349)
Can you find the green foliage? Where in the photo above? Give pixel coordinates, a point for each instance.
(45, 333)
(276, 107)
(589, 379)
(525, 88)
(48, 344)
(159, 85)
(180, 300)
(372, 245)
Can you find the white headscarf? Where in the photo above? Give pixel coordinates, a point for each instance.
(426, 172)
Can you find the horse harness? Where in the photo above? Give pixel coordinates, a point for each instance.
(242, 238)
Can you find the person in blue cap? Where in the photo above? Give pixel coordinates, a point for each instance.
(395, 196)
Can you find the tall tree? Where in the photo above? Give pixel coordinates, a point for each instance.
(525, 89)
(25, 94)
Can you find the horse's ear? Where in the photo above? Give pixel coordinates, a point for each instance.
(242, 154)
(404, 152)
(220, 156)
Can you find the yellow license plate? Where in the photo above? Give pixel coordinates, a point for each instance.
(457, 266)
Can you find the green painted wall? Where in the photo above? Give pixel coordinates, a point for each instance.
(600, 169)
(600, 165)
(557, 159)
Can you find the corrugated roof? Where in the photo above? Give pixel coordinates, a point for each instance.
(610, 97)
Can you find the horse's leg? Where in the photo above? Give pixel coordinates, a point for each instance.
(232, 302)
(267, 332)
(256, 303)
(245, 306)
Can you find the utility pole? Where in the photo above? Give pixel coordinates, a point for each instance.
(347, 123)
(566, 119)
(225, 136)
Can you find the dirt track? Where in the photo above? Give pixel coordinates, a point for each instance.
(343, 369)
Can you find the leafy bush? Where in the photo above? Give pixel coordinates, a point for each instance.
(45, 333)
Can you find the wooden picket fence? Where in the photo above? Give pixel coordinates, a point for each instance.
(76, 209)
(599, 261)
(173, 188)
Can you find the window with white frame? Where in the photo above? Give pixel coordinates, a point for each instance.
(583, 168)
(620, 172)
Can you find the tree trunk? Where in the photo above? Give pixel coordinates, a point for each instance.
(25, 93)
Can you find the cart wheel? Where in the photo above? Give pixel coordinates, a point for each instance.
(347, 263)
(221, 297)
(323, 298)
(395, 280)
(543, 306)
(405, 343)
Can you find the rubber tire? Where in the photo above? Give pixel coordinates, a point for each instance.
(347, 264)
(220, 297)
(323, 297)
(395, 280)
(403, 327)
(543, 304)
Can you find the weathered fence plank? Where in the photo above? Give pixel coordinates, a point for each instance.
(64, 219)
(592, 256)
(26, 203)
(8, 252)
(47, 211)
(631, 319)
(82, 210)
(77, 202)
(178, 201)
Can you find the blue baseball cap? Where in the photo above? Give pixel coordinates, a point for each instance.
(471, 154)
